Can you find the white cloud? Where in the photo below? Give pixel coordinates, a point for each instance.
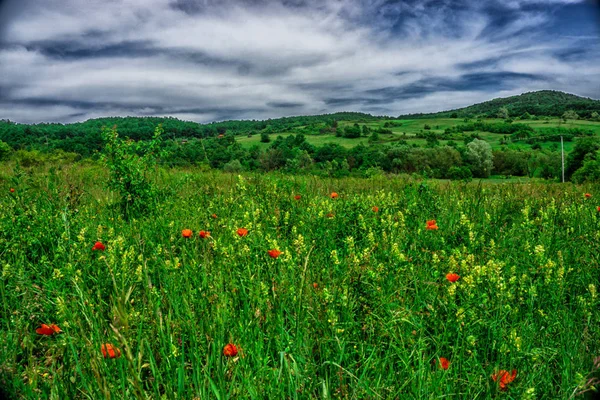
(243, 61)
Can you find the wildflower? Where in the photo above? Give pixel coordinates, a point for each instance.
(12, 190)
(230, 350)
(242, 232)
(588, 195)
(444, 363)
(330, 215)
(110, 351)
(274, 253)
(204, 234)
(315, 285)
(214, 216)
(598, 208)
(48, 330)
(297, 197)
(504, 378)
(432, 225)
(186, 233)
(98, 246)
(334, 195)
(375, 209)
(452, 277)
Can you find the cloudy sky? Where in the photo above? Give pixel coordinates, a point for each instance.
(211, 60)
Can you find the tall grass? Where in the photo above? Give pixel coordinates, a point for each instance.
(357, 306)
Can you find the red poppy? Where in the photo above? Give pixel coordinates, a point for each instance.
(315, 285)
(186, 233)
(334, 195)
(214, 216)
(48, 330)
(598, 208)
(297, 197)
(110, 351)
(242, 232)
(330, 215)
(588, 195)
(12, 190)
(98, 246)
(375, 209)
(204, 234)
(230, 350)
(504, 378)
(432, 225)
(452, 277)
(274, 253)
(444, 363)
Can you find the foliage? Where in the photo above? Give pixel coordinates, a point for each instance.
(130, 164)
(479, 153)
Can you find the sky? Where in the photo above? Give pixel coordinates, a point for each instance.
(213, 60)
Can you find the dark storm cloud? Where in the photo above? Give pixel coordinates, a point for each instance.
(204, 60)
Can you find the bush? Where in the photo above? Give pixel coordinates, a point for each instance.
(233, 166)
(460, 174)
(264, 137)
(129, 163)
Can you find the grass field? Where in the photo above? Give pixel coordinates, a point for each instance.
(357, 306)
(410, 128)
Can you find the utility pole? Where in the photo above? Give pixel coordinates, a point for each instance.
(562, 152)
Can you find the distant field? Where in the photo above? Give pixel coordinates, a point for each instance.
(411, 127)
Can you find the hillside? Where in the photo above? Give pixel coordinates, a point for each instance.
(543, 102)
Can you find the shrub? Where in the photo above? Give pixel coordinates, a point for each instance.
(129, 163)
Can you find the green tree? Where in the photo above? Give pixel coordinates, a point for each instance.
(129, 163)
(264, 137)
(570, 114)
(479, 154)
(502, 113)
(5, 151)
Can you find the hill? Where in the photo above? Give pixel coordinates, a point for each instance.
(543, 102)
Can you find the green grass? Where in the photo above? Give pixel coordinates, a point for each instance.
(410, 128)
(357, 306)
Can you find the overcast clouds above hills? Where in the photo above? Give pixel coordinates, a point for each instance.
(206, 60)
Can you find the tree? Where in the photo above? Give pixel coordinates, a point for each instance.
(264, 137)
(595, 116)
(502, 113)
(479, 154)
(583, 147)
(5, 150)
(570, 114)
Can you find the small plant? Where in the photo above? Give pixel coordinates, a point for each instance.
(129, 163)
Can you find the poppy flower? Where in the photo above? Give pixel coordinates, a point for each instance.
(275, 253)
(334, 195)
(504, 378)
(297, 197)
(110, 351)
(204, 234)
(444, 363)
(214, 216)
(452, 277)
(432, 225)
(48, 330)
(588, 195)
(330, 215)
(242, 232)
(375, 209)
(186, 233)
(98, 246)
(315, 285)
(12, 190)
(598, 208)
(230, 350)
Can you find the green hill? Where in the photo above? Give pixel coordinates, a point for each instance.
(543, 102)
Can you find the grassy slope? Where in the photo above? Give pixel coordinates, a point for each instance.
(412, 126)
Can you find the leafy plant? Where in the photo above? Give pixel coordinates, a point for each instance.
(130, 163)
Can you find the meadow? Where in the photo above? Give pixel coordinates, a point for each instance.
(409, 129)
(391, 288)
